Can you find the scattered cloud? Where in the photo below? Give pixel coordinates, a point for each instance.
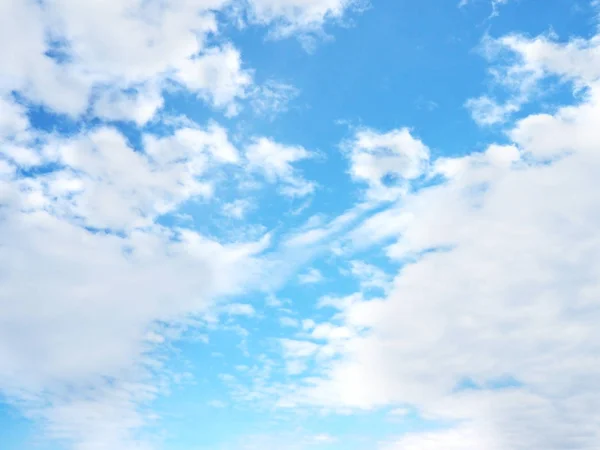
(289, 322)
(300, 16)
(237, 209)
(386, 161)
(504, 250)
(272, 98)
(102, 271)
(217, 76)
(486, 111)
(370, 276)
(139, 106)
(520, 63)
(275, 162)
(312, 276)
(239, 309)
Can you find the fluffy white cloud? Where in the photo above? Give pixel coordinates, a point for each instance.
(486, 111)
(369, 275)
(87, 274)
(61, 53)
(104, 183)
(293, 16)
(520, 63)
(216, 76)
(101, 294)
(576, 60)
(74, 348)
(499, 282)
(385, 161)
(13, 121)
(464, 438)
(145, 41)
(139, 106)
(274, 161)
(149, 42)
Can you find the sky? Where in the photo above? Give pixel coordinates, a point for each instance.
(299, 224)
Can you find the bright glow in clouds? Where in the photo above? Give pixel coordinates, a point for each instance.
(189, 239)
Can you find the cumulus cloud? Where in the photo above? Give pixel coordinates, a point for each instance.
(499, 282)
(61, 51)
(489, 327)
(520, 63)
(386, 161)
(104, 183)
(13, 120)
(76, 348)
(275, 162)
(101, 294)
(299, 16)
(90, 275)
(138, 106)
(216, 76)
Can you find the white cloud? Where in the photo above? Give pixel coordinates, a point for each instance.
(13, 121)
(237, 209)
(514, 282)
(144, 43)
(299, 16)
(308, 324)
(297, 440)
(104, 290)
(106, 184)
(289, 322)
(576, 60)
(369, 276)
(399, 412)
(500, 258)
(22, 156)
(494, 3)
(298, 349)
(61, 52)
(139, 106)
(101, 292)
(463, 438)
(385, 161)
(275, 162)
(312, 276)
(216, 76)
(520, 63)
(486, 111)
(87, 273)
(499, 280)
(272, 98)
(148, 43)
(239, 309)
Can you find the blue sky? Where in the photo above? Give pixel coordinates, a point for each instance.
(299, 224)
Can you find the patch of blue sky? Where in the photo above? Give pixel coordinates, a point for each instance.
(18, 433)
